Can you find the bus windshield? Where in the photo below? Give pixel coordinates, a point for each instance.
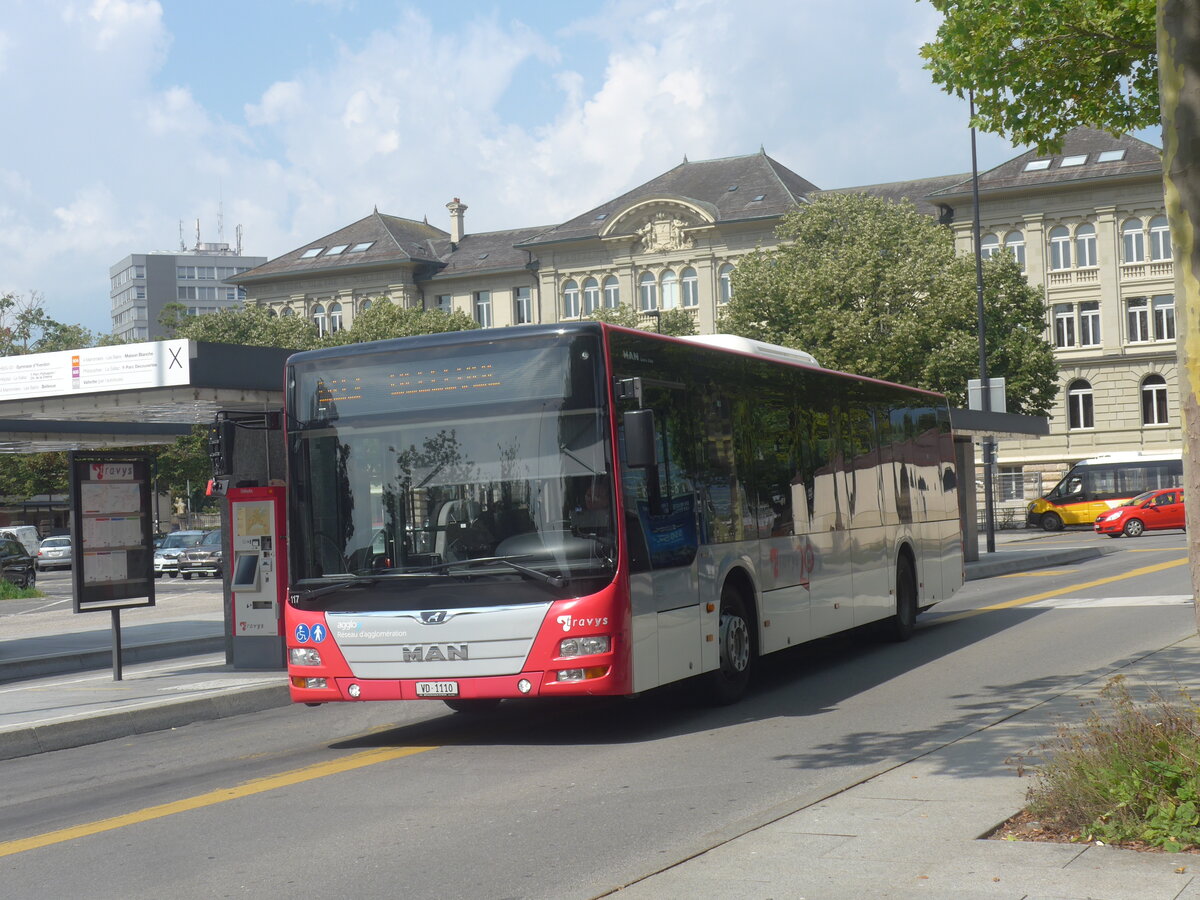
(470, 464)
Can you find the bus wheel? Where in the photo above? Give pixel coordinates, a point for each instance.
(728, 682)
(1052, 522)
(901, 626)
(473, 705)
(1134, 527)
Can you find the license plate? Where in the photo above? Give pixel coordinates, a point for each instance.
(437, 688)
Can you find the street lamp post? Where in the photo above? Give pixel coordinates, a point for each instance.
(984, 386)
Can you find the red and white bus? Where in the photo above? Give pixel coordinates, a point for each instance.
(581, 509)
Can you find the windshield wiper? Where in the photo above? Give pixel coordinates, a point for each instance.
(331, 583)
(537, 575)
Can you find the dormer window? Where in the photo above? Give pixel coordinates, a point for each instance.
(311, 252)
(1037, 165)
(360, 248)
(335, 250)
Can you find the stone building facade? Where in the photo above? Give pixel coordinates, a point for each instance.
(1088, 224)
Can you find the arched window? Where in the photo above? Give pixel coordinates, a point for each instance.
(335, 317)
(1060, 247)
(988, 245)
(1079, 406)
(1085, 246)
(591, 296)
(287, 312)
(1014, 243)
(364, 306)
(318, 317)
(670, 290)
(612, 292)
(1160, 239)
(1154, 400)
(271, 312)
(647, 292)
(691, 288)
(725, 284)
(1133, 242)
(571, 300)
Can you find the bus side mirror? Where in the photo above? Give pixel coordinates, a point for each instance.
(639, 439)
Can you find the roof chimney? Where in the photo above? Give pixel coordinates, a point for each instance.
(457, 208)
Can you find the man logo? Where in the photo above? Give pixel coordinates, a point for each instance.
(436, 617)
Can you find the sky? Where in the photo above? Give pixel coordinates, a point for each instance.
(293, 118)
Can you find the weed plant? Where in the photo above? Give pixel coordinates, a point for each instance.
(1131, 776)
(9, 591)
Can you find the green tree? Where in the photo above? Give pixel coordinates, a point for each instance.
(250, 326)
(26, 328)
(876, 288)
(387, 320)
(677, 322)
(26, 475)
(1038, 68)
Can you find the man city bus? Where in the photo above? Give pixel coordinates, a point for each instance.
(582, 509)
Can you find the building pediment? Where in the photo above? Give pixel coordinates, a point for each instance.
(659, 224)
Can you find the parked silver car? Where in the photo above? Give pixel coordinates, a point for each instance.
(166, 557)
(55, 553)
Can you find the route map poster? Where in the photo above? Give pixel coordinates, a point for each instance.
(111, 531)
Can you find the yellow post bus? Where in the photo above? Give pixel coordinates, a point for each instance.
(1094, 486)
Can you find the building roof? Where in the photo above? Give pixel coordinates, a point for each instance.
(917, 191)
(1086, 154)
(732, 189)
(388, 240)
(485, 252)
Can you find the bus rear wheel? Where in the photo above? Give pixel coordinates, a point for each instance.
(900, 627)
(1052, 522)
(728, 682)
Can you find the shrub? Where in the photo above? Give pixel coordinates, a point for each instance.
(1131, 776)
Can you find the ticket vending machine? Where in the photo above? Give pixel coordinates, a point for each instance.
(257, 565)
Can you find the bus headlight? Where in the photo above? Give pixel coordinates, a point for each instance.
(584, 646)
(582, 674)
(304, 656)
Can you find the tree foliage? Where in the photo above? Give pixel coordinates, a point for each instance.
(677, 322)
(1041, 67)
(875, 288)
(386, 320)
(250, 326)
(26, 328)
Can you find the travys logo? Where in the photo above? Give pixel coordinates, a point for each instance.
(569, 622)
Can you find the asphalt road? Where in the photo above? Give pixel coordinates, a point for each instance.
(570, 800)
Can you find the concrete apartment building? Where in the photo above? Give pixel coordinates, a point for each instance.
(142, 284)
(1088, 224)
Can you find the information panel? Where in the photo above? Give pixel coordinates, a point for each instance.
(111, 531)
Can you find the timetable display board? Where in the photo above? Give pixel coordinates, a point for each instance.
(111, 531)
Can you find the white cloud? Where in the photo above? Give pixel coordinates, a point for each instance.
(528, 124)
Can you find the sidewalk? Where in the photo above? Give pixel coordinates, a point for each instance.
(913, 831)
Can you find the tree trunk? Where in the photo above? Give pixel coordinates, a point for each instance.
(1179, 88)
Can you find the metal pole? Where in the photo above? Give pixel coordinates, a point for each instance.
(116, 630)
(984, 386)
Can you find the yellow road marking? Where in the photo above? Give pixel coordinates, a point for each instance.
(221, 795)
(1067, 589)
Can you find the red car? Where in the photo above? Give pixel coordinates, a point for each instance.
(1151, 511)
